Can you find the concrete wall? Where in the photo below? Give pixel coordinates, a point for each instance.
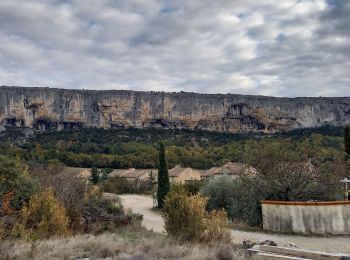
(307, 217)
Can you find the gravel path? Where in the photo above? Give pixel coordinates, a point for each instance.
(143, 205)
(153, 221)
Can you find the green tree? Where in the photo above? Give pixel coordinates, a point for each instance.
(347, 139)
(163, 176)
(105, 173)
(95, 175)
(15, 179)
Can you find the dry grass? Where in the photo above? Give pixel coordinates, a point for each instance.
(125, 244)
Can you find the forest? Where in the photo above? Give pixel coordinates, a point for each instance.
(137, 148)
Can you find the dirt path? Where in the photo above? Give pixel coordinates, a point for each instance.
(144, 204)
(153, 220)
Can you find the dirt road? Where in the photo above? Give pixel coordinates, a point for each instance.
(144, 204)
(153, 221)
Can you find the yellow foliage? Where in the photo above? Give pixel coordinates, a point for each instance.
(216, 227)
(186, 217)
(43, 217)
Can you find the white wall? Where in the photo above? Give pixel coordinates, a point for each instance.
(307, 217)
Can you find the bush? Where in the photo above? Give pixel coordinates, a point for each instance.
(72, 191)
(239, 199)
(43, 217)
(101, 213)
(186, 218)
(193, 187)
(216, 227)
(119, 185)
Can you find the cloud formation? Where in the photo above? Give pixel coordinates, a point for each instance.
(271, 47)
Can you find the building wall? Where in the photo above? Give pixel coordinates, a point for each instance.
(187, 175)
(307, 217)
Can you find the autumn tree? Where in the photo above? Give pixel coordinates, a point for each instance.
(285, 172)
(15, 181)
(43, 217)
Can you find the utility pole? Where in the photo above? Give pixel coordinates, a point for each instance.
(346, 181)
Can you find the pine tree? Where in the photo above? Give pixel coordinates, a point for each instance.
(163, 176)
(95, 175)
(347, 140)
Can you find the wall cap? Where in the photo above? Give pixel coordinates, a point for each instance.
(305, 203)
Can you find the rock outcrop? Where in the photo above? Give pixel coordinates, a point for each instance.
(48, 108)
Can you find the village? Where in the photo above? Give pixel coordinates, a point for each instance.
(177, 174)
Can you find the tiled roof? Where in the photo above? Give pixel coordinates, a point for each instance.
(231, 168)
(211, 172)
(133, 173)
(174, 172)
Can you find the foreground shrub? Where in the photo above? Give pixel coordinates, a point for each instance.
(101, 213)
(43, 217)
(216, 227)
(72, 191)
(186, 217)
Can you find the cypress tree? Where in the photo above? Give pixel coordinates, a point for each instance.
(95, 175)
(163, 176)
(347, 139)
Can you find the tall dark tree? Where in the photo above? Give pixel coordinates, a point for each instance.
(347, 140)
(95, 175)
(163, 176)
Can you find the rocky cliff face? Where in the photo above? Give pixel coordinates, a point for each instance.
(46, 108)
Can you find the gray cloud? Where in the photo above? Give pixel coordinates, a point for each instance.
(281, 48)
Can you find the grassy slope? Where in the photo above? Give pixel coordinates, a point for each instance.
(124, 244)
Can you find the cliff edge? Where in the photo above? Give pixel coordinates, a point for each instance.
(49, 108)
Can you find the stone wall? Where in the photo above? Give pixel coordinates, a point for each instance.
(307, 217)
(48, 108)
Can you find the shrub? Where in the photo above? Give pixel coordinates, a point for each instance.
(43, 217)
(193, 187)
(117, 185)
(216, 227)
(186, 218)
(101, 213)
(239, 199)
(220, 190)
(72, 191)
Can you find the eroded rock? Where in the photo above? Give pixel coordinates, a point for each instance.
(47, 109)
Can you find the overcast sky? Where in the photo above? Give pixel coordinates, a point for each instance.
(271, 47)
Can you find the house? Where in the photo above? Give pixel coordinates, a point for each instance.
(183, 175)
(206, 174)
(133, 174)
(231, 168)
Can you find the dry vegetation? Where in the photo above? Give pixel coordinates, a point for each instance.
(125, 244)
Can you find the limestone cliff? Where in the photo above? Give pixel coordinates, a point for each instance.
(48, 108)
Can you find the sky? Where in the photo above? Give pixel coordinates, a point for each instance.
(272, 47)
